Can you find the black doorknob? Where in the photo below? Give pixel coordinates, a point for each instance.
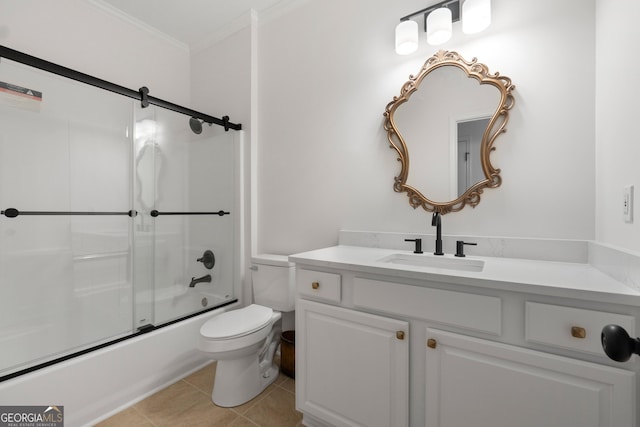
(617, 344)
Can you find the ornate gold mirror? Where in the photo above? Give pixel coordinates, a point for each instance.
(457, 111)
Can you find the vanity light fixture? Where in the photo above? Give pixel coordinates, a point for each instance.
(438, 23)
(476, 16)
(407, 37)
(439, 26)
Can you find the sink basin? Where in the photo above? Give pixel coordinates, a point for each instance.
(431, 261)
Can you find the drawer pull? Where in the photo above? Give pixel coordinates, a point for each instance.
(431, 343)
(400, 335)
(578, 332)
(315, 285)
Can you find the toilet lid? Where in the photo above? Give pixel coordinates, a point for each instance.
(237, 322)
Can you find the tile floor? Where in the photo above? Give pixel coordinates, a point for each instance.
(188, 403)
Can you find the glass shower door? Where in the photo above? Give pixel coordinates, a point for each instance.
(114, 218)
(65, 233)
(184, 192)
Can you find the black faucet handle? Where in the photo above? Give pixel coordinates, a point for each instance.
(418, 249)
(460, 247)
(208, 259)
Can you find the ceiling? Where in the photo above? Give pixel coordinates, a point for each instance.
(188, 21)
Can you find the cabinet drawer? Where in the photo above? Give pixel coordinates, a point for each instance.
(318, 285)
(571, 328)
(469, 311)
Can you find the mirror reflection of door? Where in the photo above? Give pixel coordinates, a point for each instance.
(469, 134)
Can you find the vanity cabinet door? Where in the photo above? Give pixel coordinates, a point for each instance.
(352, 368)
(475, 382)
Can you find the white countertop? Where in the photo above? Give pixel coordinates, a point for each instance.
(562, 279)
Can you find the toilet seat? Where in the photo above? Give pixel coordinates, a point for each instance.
(237, 323)
(237, 331)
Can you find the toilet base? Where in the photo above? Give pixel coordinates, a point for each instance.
(240, 380)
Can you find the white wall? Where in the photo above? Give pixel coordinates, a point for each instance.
(79, 35)
(617, 95)
(221, 77)
(328, 68)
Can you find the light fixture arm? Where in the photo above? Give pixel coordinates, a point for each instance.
(452, 5)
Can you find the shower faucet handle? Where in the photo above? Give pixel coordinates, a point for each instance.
(208, 259)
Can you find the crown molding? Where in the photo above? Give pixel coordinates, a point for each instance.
(117, 13)
(217, 35)
(244, 21)
(280, 8)
(225, 31)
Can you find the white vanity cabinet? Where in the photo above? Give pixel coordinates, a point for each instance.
(356, 366)
(352, 367)
(476, 382)
(379, 350)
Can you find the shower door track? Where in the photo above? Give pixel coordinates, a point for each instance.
(140, 331)
(141, 94)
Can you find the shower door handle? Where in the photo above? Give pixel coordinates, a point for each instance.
(13, 213)
(155, 213)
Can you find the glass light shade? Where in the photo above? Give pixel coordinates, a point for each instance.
(406, 37)
(439, 26)
(476, 16)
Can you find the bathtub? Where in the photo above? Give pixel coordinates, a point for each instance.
(96, 385)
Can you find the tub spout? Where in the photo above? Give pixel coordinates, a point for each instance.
(203, 279)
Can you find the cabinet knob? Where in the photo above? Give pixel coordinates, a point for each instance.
(315, 285)
(400, 335)
(617, 343)
(578, 332)
(432, 343)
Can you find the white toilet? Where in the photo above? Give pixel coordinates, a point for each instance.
(244, 341)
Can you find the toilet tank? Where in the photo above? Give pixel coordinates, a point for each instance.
(272, 278)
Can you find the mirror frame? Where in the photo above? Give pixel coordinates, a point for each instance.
(497, 125)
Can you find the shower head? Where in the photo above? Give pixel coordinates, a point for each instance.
(195, 125)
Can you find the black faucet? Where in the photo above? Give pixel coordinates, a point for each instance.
(202, 279)
(437, 222)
